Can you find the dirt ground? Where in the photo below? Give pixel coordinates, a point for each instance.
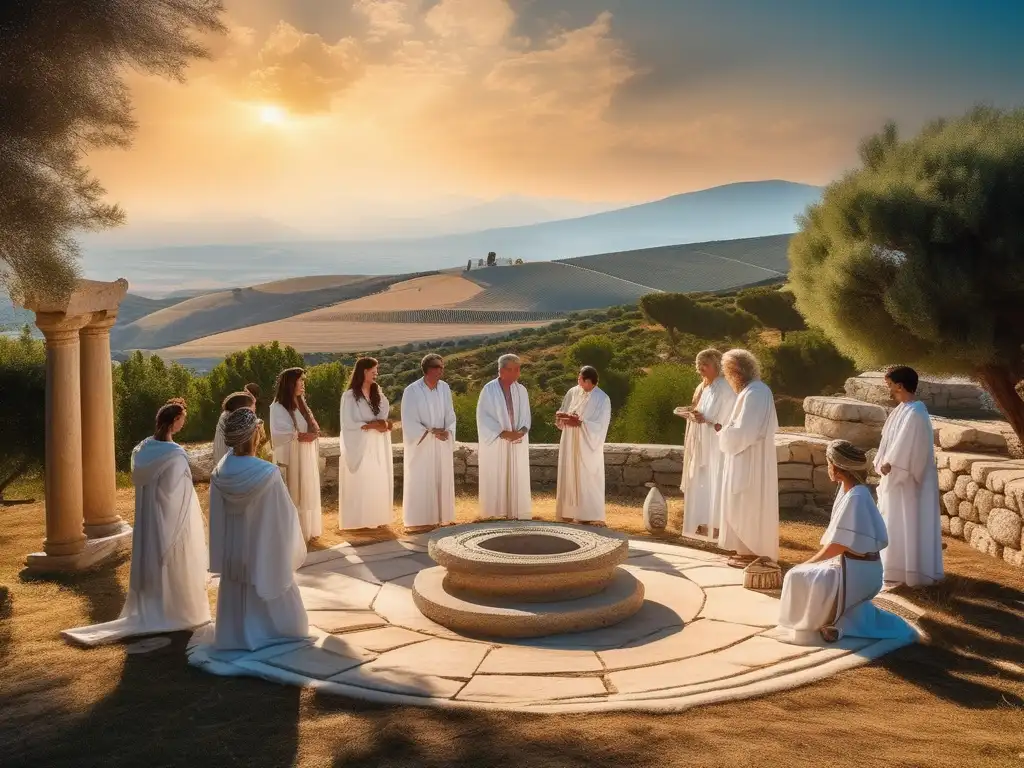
(955, 702)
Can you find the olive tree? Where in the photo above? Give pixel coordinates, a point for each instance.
(917, 256)
(62, 95)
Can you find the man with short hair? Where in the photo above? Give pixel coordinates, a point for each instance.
(428, 432)
(503, 425)
(750, 474)
(583, 418)
(908, 493)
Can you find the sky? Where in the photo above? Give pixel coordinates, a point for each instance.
(317, 112)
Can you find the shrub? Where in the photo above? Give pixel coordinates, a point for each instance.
(647, 415)
(325, 385)
(23, 416)
(598, 351)
(773, 308)
(805, 363)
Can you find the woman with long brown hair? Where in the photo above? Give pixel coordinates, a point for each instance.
(295, 435)
(167, 584)
(366, 473)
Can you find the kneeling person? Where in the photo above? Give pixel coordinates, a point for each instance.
(256, 545)
(829, 596)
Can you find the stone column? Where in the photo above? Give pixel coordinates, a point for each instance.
(65, 538)
(98, 470)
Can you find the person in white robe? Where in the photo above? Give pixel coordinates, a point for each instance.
(428, 434)
(583, 417)
(256, 545)
(908, 493)
(503, 426)
(829, 596)
(295, 436)
(750, 474)
(231, 403)
(167, 582)
(713, 401)
(366, 470)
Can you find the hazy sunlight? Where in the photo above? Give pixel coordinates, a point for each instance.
(272, 114)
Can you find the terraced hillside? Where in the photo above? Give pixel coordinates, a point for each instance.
(715, 266)
(549, 286)
(221, 311)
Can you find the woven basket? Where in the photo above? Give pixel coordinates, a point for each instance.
(762, 575)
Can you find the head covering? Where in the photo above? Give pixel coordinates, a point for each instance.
(846, 456)
(239, 426)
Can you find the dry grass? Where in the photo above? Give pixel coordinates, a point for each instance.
(956, 702)
(430, 292)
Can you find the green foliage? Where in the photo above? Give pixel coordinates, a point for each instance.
(465, 416)
(709, 318)
(916, 256)
(22, 417)
(805, 363)
(598, 351)
(647, 416)
(325, 384)
(773, 308)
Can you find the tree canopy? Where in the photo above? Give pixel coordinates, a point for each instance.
(23, 417)
(917, 257)
(62, 95)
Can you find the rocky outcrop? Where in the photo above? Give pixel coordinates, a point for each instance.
(940, 395)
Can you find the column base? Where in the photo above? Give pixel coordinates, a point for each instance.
(96, 552)
(106, 530)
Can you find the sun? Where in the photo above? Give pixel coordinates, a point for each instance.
(272, 114)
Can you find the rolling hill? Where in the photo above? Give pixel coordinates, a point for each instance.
(744, 210)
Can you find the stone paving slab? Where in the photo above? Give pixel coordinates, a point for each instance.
(524, 660)
(517, 688)
(699, 638)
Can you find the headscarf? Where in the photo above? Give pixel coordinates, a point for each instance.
(846, 456)
(240, 426)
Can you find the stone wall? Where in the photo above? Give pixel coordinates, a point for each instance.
(803, 477)
(952, 395)
(983, 502)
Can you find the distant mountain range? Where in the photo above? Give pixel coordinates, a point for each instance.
(732, 211)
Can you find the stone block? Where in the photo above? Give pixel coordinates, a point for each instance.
(862, 435)
(792, 500)
(614, 456)
(783, 453)
(821, 481)
(1005, 527)
(667, 465)
(792, 471)
(961, 462)
(668, 480)
(796, 486)
(802, 453)
(998, 500)
(997, 481)
(968, 511)
(947, 479)
(983, 503)
(960, 487)
(944, 523)
(941, 459)
(956, 527)
(845, 409)
(982, 541)
(951, 503)
(1014, 557)
(634, 476)
(980, 470)
(972, 490)
(959, 437)
(1014, 492)
(543, 456)
(969, 530)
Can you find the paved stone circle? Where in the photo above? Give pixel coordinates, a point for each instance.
(699, 638)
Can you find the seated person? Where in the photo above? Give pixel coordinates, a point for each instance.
(256, 545)
(829, 596)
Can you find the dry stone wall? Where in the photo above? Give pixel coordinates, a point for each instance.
(803, 477)
(940, 395)
(983, 502)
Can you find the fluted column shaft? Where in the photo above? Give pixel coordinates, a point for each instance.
(98, 468)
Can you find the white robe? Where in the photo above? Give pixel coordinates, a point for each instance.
(504, 466)
(366, 469)
(220, 448)
(167, 585)
(580, 494)
(256, 546)
(428, 476)
(702, 459)
(300, 463)
(908, 497)
(837, 592)
(750, 475)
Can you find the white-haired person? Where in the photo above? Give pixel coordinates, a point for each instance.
(503, 427)
(713, 401)
(750, 474)
(828, 597)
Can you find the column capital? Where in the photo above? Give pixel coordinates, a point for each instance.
(100, 323)
(59, 329)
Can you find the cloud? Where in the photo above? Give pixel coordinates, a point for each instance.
(480, 23)
(387, 18)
